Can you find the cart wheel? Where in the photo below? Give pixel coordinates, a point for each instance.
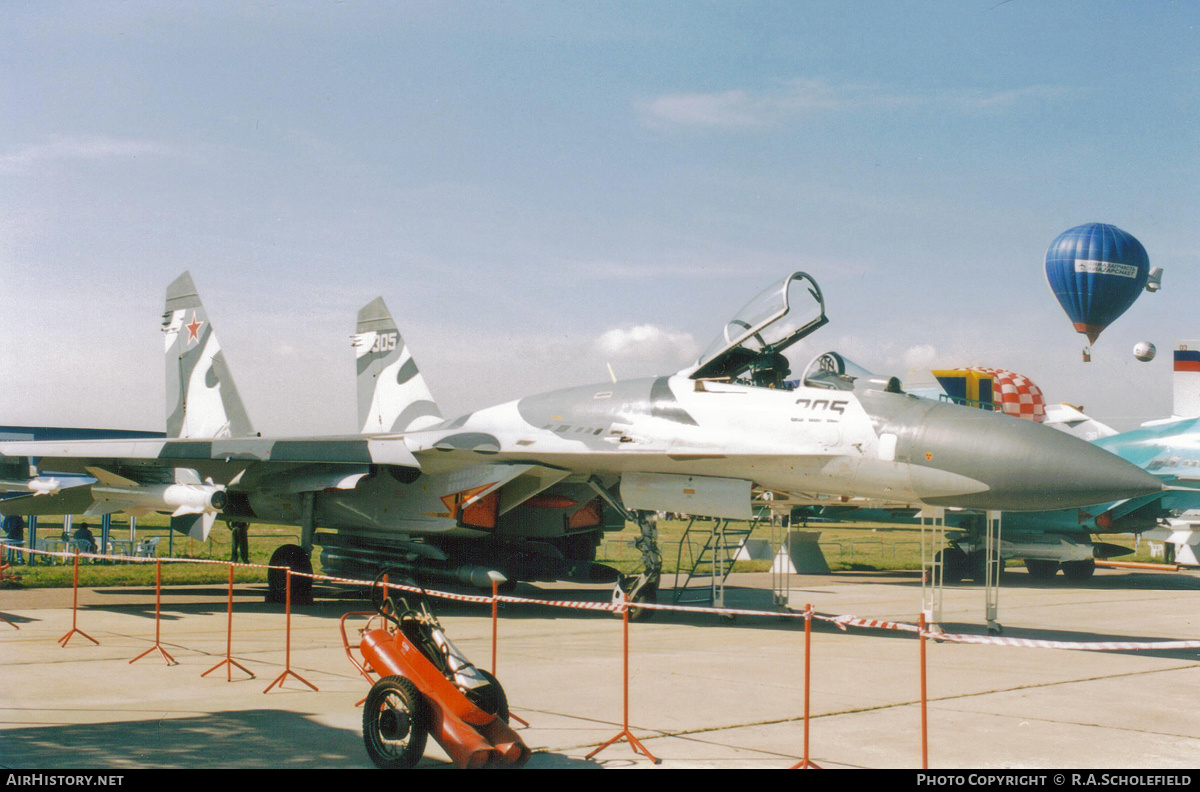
(395, 725)
(490, 698)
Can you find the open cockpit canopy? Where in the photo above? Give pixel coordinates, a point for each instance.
(750, 346)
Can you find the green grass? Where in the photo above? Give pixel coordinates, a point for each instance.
(847, 547)
(264, 539)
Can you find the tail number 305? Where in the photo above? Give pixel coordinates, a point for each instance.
(385, 342)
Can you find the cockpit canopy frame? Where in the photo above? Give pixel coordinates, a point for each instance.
(751, 344)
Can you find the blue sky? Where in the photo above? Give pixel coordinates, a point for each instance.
(540, 189)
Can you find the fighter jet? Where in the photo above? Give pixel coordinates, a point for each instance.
(1048, 541)
(528, 487)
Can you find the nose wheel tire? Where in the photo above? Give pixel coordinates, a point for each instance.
(395, 723)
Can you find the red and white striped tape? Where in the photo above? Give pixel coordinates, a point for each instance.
(842, 622)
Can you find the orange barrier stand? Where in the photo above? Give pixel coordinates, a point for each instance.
(157, 621)
(229, 661)
(287, 670)
(495, 594)
(841, 621)
(3, 576)
(495, 599)
(806, 763)
(625, 732)
(75, 609)
(924, 697)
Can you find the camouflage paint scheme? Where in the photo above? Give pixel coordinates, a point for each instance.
(526, 486)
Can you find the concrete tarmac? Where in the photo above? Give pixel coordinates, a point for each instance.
(704, 691)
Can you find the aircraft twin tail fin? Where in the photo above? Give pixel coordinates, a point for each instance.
(392, 395)
(202, 400)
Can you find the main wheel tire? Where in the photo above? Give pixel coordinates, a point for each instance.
(1079, 570)
(395, 723)
(977, 568)
(1041, 569)
(954, 565)
(291, 557)
(490, 698)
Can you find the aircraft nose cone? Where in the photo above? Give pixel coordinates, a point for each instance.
(1019, 465)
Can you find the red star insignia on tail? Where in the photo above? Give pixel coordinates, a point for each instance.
(194, 328)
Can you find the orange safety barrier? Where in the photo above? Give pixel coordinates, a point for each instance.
(157, 619)
(75, 610)
(625, 732)
(806, 763)
(809, 615)
(229, 662)
(6, 575)
(495, 630)
(924, 696)
(287, 671)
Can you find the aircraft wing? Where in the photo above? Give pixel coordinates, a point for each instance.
(221, 458)
(184, 475)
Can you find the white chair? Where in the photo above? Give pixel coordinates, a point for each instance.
(145, 548)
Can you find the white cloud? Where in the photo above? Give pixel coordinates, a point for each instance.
(82, 148)
(737, 109)
(919, 356)
(978, 100)
(647, 343)
(740, 109)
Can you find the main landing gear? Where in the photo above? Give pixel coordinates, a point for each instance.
(295, 558)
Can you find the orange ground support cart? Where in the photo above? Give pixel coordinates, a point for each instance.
(427, 687)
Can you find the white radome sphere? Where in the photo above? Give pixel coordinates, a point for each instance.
(1144, 351)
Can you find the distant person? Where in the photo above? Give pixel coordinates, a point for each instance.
(14, 535)
(86, 541)
(240, 552)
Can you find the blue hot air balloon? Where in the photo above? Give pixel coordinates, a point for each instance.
(1096, 271)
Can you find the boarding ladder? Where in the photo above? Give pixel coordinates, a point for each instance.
(933, 544)
(707, 569)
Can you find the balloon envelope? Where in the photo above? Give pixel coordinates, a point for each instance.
(1144, 351)
(1096, 271)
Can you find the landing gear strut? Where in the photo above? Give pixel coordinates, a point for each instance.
(641, 587)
